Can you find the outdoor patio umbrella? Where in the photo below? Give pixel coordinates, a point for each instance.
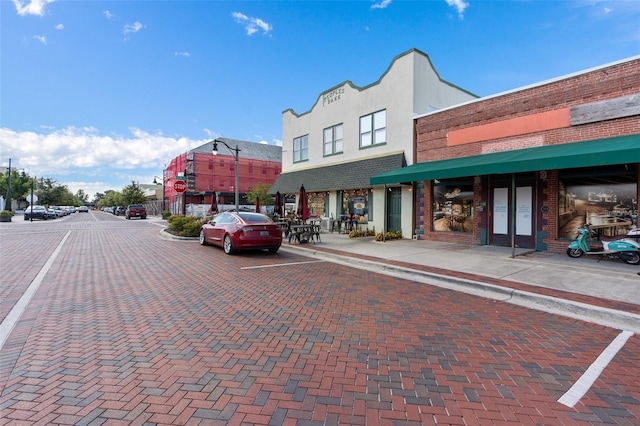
(278, 206)
(214, 204)
(257, 204)
(303, 207)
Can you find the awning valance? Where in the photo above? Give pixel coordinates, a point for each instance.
(601, 152)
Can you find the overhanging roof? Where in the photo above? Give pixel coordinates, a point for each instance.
(601, 152)
(342, 176)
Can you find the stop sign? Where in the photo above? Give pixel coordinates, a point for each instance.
(180, 186)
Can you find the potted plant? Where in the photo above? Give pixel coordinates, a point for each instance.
(6, 215)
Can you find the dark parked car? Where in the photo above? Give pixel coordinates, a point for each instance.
(36, 212)
(136, 210)
(120, 211)
(83, 209)
(234, 231)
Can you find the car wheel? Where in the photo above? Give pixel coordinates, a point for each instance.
(143, 217)
(274, 249)
(201, 239)
(227, 246)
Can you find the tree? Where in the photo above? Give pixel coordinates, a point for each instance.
(132, 194)
(260, 191)
(84, 198)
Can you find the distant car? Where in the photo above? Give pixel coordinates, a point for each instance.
(83, 209)
(36, 212)
(120, 211)
(52, 213)
(235, 231)
(136, 210)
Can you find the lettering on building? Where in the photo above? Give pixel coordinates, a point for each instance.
(332, 96)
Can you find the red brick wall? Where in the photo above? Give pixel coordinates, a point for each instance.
(431, 137)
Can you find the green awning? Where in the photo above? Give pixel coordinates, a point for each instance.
(601, 152)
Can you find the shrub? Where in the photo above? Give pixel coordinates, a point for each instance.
(185, 226)
(6, 213)
(359, 233)
(165, 214)
(389, 236)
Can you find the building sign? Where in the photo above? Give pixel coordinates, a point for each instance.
(332, 96)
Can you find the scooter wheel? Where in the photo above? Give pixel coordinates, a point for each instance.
(574, 252)
(632, 258)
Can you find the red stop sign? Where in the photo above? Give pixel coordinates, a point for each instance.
(180, 186)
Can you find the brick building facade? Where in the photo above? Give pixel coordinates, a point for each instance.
(525, 168)
(209, 178)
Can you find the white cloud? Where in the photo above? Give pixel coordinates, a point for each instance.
(41, 39)
(34, 7)
(252, 25)
(132, 28)
(59, 27)
(82, 153)
(185, 54)
(459, 5)
(382, 4)
(110, 16)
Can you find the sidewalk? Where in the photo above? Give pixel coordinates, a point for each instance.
(606, 292)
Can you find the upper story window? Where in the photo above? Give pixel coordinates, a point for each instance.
(333, 140)
(373, 129)
(301, 148)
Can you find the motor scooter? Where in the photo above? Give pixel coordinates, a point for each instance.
(626, 249)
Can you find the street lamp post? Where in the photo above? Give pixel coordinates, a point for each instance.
(235, 152)
(155, 181)
(7, 205)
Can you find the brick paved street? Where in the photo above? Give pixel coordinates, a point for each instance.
(130, 328)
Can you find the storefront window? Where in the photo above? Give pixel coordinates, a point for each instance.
(605, 197)
(453, 205)
(317, 203)
(356, 202)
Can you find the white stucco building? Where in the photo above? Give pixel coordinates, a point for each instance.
(352, 133)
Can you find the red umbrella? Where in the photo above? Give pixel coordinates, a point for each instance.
(257, 204)
(214, 204)
(278, 206)
(303, 207)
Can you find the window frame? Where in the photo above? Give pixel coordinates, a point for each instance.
(333, 142)
(301, 153)
(372, 131)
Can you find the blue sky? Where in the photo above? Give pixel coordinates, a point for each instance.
(96, 94)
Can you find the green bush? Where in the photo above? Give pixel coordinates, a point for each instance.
(185, 226)
(389, 236)
(361, 233)
(165, 214)
(6, 213)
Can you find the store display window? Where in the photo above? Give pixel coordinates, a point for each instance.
(453, 205)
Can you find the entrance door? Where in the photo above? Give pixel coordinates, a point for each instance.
(394, 210)
(505, 210)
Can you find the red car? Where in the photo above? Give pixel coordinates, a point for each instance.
(235, 231)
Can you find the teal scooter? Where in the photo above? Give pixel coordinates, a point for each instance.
(626, 249)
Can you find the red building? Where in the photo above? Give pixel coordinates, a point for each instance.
(206, 174)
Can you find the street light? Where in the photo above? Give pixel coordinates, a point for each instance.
(8, 203)
(235, 152)
(155, 182)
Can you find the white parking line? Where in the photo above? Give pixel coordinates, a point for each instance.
(584, 383)
(13, 317)
(282, 264)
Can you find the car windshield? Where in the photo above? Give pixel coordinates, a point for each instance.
(254, 217)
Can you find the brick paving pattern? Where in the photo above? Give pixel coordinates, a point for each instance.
(129, 328)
